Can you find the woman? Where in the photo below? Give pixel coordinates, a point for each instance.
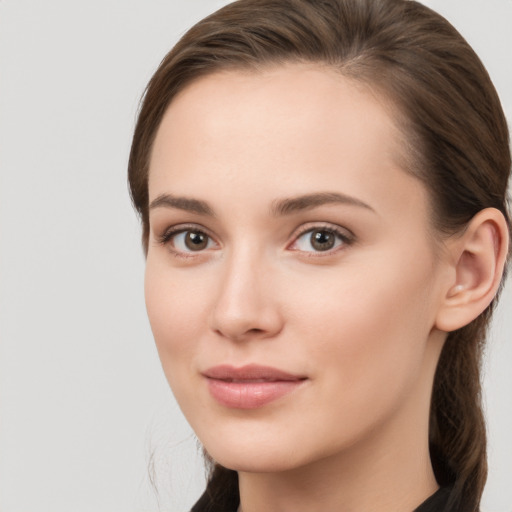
(322, 188)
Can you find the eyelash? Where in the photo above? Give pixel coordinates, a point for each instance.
(345, 236)
(166, 237)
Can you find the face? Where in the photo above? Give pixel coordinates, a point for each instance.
(292, 282)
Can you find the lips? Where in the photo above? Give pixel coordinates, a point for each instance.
(251, 386)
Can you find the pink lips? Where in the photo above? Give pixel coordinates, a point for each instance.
(251, 386)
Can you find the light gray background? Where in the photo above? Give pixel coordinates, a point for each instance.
(84, 404)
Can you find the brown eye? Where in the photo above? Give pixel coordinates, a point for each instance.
(195, 240)
(322, 240)
(188, 240)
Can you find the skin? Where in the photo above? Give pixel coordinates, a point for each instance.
(358, 321)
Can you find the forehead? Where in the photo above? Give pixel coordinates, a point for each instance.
(281, 131)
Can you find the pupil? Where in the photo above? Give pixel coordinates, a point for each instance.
(196, 241)
(322, 240)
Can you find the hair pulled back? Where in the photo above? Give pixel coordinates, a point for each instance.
(456, 140)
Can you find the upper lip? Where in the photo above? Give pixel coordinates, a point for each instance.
(250, 372)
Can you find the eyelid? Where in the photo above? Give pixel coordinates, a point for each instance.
(346, 236)
(166, 236)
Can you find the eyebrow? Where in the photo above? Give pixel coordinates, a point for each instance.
(182, 203)
(280, 207)
(307, 202)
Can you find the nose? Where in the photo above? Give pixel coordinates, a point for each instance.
(246, 305)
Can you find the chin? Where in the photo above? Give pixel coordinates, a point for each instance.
(252, 456)
(256, 463)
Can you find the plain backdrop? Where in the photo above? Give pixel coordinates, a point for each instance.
(84, 407)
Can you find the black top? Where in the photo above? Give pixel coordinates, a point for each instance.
(438, 502)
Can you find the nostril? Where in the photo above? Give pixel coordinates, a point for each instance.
(244, 318)
(241, 334)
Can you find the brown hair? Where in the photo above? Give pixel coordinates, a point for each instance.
(456, 138)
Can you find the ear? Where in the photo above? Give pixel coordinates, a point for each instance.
(478, 258)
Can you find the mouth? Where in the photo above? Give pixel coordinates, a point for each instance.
(251, 386)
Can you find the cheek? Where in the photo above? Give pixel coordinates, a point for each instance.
(176, 315)
(368, 328)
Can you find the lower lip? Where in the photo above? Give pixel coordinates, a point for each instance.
(250, 395)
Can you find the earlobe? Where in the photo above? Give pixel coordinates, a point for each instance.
(479, 257)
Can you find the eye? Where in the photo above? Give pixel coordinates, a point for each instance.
(191, 241)
(187, 240)
(320, 239)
